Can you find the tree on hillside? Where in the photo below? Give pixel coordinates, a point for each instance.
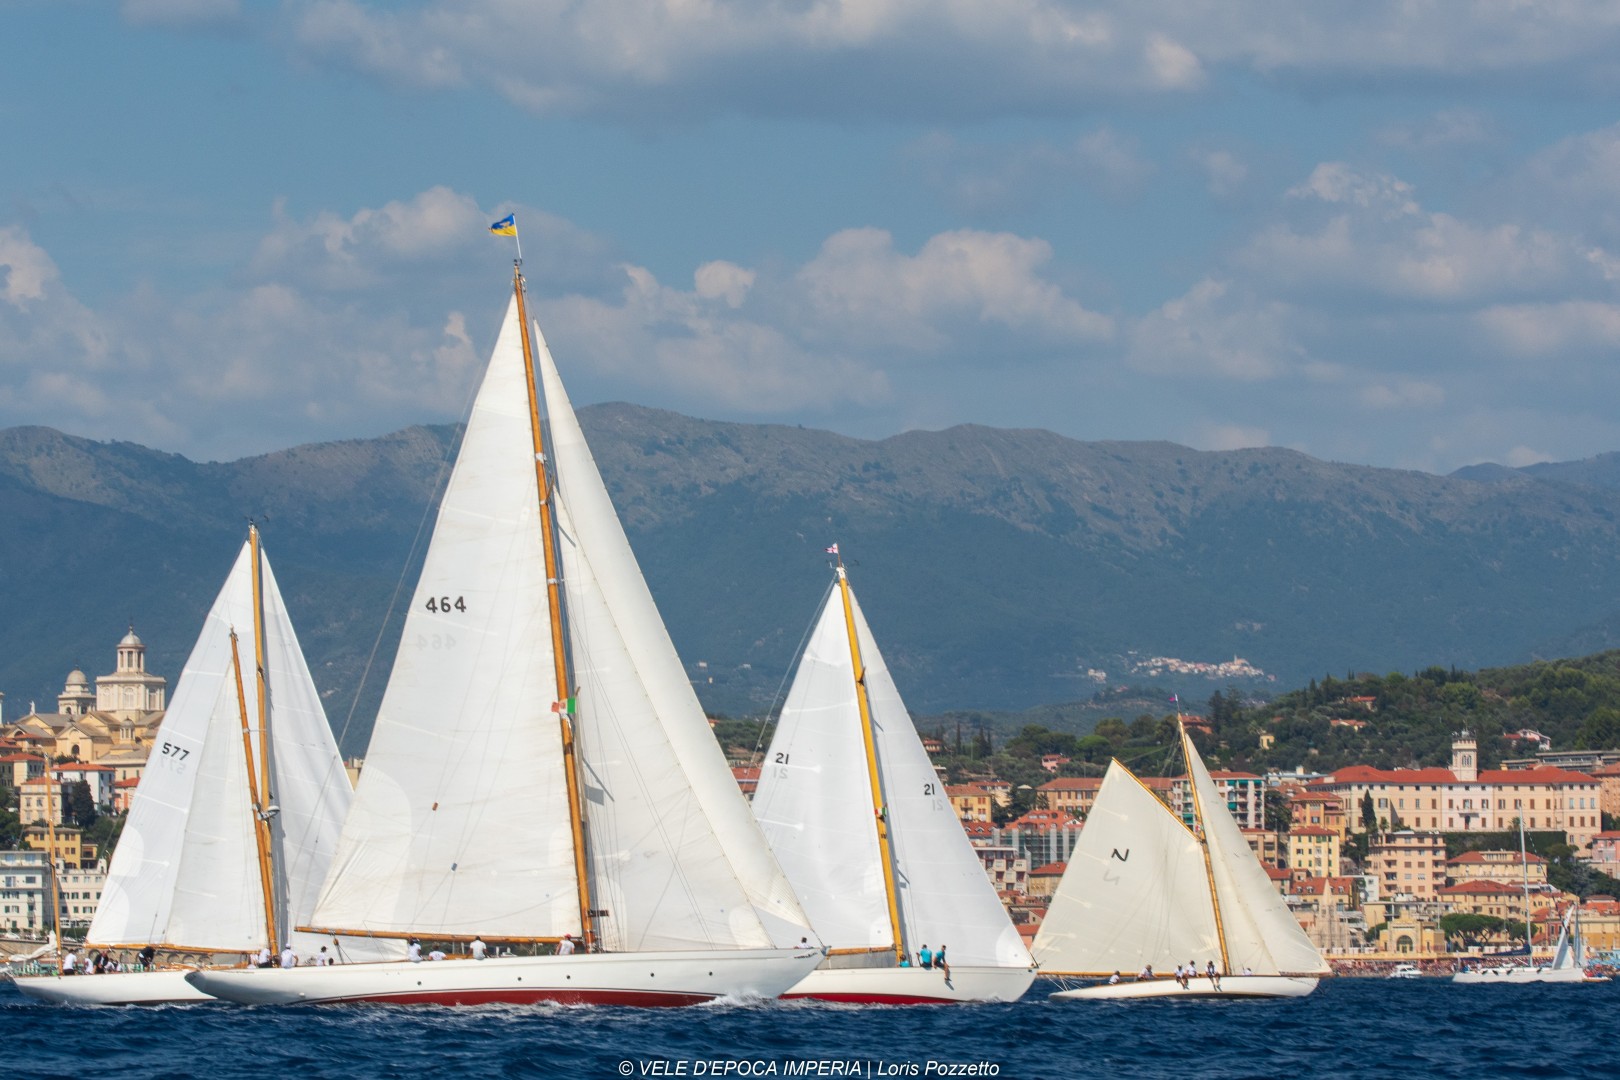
(78, 807)
(1278, 813)
(1600, 730)
(1369, 813)
(1113, 729)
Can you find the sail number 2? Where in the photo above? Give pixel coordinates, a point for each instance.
(445, 603)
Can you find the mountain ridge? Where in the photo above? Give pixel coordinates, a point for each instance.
(996, 565)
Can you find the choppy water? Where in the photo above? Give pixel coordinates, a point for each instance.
(1348, 1028)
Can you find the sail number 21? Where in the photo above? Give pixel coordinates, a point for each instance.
(444, 603)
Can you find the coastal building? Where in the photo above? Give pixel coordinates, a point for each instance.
(119, 717)
(1043, 880)
(1319, 809)
(70, 849)
(1464, 798)
(1498, 898)
(1243, 792)
(1266, 844)
(1005, 866)
(81, 893)
(1313, 852)
(1073, 795)
(1408, 864)
(25, 904)
(1505, 866)
(972, 802)
(1608, 778)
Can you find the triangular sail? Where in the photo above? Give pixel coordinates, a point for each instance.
(1261, 933)
(814, 800)
(1135, 893)
(186, 871)
(678, 861)
(460, 819)
(946, 899)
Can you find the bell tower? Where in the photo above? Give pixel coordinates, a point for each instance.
(1465, 757)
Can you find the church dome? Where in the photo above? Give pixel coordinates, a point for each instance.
(130, 638)
(77, 680)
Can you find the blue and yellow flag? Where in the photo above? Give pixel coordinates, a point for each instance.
(507, 226)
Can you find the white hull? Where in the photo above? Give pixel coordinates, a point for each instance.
(1511, 975)
(1231, 986)
(914, 986)
(640, 979)
(122, 988)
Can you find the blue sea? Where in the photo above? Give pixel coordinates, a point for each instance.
(1348, 1028)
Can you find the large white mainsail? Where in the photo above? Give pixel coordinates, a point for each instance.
(185, 874)
(460, 818)
(816, 802)
(1136, 891)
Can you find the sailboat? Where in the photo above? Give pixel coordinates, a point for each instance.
(1145, 893)
(237, 812)
(859, 819)
(1569, 957)
(540, 772)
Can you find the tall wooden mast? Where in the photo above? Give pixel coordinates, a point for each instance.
(880, 808)
(559, 648)
(261, 823)
(1202, 833)
(53, 790)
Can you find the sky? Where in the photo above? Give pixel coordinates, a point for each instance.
(1383, 232)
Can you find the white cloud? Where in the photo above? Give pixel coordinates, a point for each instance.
(862, 287)
(1402, 394)
(1224, 172)
(1216, 331)
(1520, 456)
(994, 178)
(1545, 330)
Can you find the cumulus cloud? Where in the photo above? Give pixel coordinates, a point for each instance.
(1215, 330)
(932, 59)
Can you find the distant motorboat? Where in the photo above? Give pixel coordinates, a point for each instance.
(1406, 971)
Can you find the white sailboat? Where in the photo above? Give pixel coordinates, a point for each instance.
(1145, 892)
(540, 765)
(1569, 957)
(859, 819)
(237, 813)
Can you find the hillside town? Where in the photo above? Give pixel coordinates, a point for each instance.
(1378, 865)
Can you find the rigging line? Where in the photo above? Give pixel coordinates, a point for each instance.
(787, 673)
(428, 509)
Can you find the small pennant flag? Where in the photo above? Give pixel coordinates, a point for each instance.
(563, 706)
(1174, 699)
(507, 226)
(833, 550)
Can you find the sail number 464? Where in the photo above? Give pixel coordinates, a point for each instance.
(445, 603)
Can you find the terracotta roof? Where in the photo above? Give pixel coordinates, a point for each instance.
(1275, 873)
(1366, 774)
(1220, 774)
(1480, 888)
(1544, 775)
(1051, 869)
(1315, 796)
(1072, 783)
(1313, 830)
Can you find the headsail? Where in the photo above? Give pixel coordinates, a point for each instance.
(1261, 933)
(1136, 891)
(814, 801)
(678, 861)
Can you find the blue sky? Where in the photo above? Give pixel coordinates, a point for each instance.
(1377, 232)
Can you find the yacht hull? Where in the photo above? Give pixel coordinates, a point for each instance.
(1514, 975)
(634, 979)
(1230, 986)
(914, 986)
(122, 988)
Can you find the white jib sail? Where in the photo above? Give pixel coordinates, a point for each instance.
(814, 799)
(1261, 933)
(946, 899)
(460, 822)
(677, 859)
(186, 871)
(1136, 891)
